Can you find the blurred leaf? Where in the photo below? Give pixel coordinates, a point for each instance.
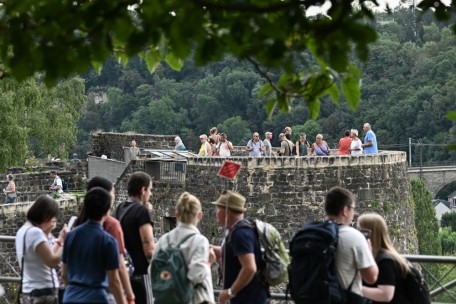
(266, 90)
(334, 93)
(350, 86)
(153, 59)
(175, 63)
(270, 106)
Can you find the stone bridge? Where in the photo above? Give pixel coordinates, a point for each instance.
(434, 177)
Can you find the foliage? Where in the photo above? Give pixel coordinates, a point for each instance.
(238, 130)
(37, 119)
(447, 240)
(61, 38)
(448, 220)
(406, 84)
(426, 224)
(311, 128)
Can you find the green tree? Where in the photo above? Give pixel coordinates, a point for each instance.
(311, 128)
(236, 129)
(38, 120)
(426, 224)
(448, 220)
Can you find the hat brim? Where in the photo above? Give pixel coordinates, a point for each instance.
(223, 204)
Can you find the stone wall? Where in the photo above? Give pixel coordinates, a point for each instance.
(110, 144)
(12, 217)
(289, 192)
(32, 184)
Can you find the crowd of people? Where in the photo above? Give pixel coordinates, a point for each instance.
(90, 262)
(218, 144)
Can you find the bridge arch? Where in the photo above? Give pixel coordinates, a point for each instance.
(435, 178)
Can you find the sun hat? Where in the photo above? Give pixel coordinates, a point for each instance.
(236, 201)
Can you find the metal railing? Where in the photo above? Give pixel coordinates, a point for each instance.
(167, 170)
(436, 288)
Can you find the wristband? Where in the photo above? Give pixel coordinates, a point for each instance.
(131, 299)
(59, 243)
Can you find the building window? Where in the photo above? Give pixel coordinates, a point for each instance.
(169, 223)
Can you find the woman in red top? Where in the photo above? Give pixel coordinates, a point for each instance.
(344, 144)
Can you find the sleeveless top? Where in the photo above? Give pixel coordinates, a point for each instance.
(321, 151)
(202, 150)
(8, 188)
(302, 149)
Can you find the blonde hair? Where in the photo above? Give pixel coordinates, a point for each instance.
(188, 207)
(354, 131)
(213, 130)
(380, 240)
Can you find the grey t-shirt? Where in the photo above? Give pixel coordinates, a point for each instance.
(353, 254)
(287, 146)
(133, 153)
(268, 146)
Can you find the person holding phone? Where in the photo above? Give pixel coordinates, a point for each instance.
(392, 267)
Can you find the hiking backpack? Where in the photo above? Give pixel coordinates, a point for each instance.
(168, 274)
(415, 288)
(312, 272)
(275, 255)
(64, 185)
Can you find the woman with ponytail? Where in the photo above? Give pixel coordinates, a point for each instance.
(392, 267)
(195, 249)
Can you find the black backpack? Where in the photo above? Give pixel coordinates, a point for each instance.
(415, 288)
(312, 272)
(64, 185)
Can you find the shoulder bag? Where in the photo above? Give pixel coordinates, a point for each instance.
(36, 296)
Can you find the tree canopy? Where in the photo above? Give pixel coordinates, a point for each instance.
(63, 37)
(36, 120)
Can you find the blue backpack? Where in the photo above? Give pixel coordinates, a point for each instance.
(64, 185)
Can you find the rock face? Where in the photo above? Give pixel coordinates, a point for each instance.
(289, 192)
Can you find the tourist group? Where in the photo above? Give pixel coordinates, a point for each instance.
(99, 258)
(218, 144)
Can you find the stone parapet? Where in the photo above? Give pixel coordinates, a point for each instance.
(386, 157)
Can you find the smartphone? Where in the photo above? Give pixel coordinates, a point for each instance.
(71, 222)
(366, 233)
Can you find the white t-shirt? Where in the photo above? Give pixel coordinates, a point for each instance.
(353, 254)
(58, 182)
(356, 144)
(36, 274)
(223, 149)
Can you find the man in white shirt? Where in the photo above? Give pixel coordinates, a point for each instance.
(354, 259)
(224, 146)
(57, 184)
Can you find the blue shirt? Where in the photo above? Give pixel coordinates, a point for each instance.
(370, 135)
(89, 252)
(244, 240)
(256, 147)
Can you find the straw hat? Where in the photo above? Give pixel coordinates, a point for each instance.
(236, 201)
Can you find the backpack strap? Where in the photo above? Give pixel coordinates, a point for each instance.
(241, 224)
(181, 242)
(125, 212)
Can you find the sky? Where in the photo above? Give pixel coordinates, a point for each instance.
(392, 3)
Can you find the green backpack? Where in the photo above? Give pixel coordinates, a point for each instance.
(168, 273)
